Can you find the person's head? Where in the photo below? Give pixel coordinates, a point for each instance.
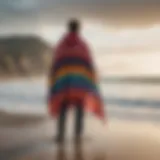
(74, 25)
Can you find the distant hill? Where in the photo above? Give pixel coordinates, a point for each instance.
(23, 55)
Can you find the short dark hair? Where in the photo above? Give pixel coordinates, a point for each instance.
(73, 25)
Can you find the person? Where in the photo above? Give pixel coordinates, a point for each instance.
(73, 81)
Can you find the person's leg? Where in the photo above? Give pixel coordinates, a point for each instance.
(79, 120)
(61, 121)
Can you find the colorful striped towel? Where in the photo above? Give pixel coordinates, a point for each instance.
(73, 77)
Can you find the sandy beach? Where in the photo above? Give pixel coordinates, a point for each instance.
(30, 137)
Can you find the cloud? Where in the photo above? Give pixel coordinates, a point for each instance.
(114, 13)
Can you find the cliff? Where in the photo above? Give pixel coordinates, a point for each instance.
(23, 55)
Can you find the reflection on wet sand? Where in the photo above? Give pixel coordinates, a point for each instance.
(61, 153)
(78, 153)
(121, 140)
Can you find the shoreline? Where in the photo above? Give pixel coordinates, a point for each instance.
(15, 78)
(111, 78)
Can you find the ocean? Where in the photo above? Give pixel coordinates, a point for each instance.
(128, 101)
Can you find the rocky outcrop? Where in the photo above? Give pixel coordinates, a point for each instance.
(23, 55)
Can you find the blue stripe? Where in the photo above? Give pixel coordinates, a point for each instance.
(73, 81)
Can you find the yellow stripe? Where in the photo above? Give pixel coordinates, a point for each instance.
(71, 70)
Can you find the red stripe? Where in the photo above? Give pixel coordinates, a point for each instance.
(89, 100)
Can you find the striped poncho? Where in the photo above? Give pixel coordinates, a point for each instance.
(73, 77)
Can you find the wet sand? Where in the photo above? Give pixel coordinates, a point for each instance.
(30, 137)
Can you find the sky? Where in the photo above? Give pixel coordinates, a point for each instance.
(114, 26)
